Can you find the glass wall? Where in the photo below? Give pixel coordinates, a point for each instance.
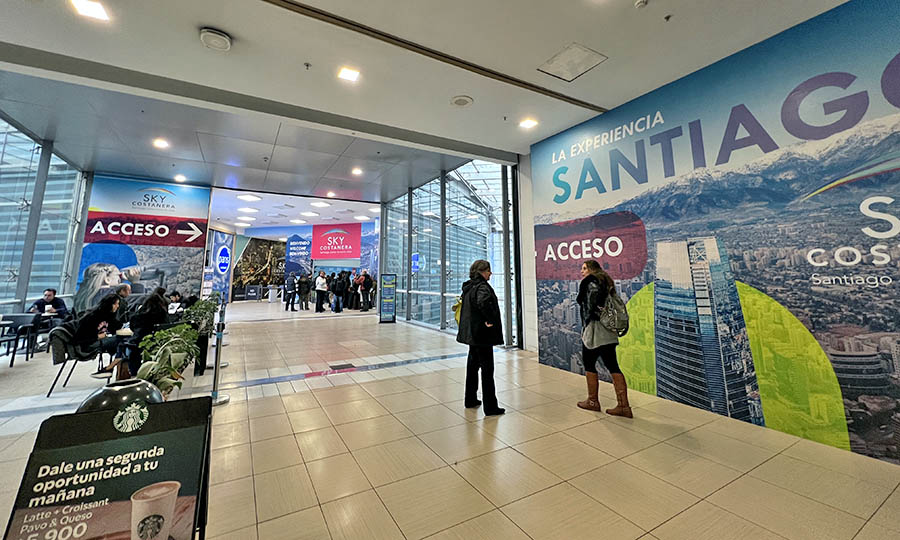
(55, 245)
(59, 221)
(396, 249)
(473, 230)
(425, 261)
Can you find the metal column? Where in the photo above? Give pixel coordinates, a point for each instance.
(507, 296)
(78, 240)
(34, 222)
(382, 243)
(517, 256)
(409, 233)
(443, 255)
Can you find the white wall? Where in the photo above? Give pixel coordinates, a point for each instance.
(526, 235)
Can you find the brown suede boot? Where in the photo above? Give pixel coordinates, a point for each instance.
(622, 408)
(591, 403)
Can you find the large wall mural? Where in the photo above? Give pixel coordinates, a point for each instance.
(750, 214)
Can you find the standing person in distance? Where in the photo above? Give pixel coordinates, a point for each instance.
(337, 285)
(480, 328)
(290, 291)
(321, 292)
(303, 288)
(597, 341)
(364, 290)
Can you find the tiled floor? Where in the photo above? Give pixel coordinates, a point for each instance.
(396, 455)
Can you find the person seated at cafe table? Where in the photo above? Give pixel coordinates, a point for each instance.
(49, 303)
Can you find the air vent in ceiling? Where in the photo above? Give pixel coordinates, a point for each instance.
(572, 62)
(461, 101)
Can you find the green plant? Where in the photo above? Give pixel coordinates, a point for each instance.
(203, 314)
(165, 354)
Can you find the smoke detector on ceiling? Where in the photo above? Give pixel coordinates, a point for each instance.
(461, 101)
(216, 40)
(638, 4)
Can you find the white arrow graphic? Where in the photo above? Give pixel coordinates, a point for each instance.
(194, 232)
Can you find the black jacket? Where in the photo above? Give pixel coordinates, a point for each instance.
(591, 297)
(479, 306)
(290, 284)
(303, 285)
(88, 326)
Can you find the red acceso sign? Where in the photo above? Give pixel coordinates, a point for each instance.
(340, 241)
(139, 230)
(617, 241)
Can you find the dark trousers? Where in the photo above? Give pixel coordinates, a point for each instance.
(321, 297)
(304, 301)
(338, 300)
(481, 357)
(365, 301)
(289, 297)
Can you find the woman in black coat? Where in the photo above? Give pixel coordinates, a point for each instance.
(480, 328)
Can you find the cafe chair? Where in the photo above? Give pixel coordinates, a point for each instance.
(18, 333)
(62, 351)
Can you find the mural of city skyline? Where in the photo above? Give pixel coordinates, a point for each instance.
(775, 269)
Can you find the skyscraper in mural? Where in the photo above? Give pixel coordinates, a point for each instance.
(703, 353)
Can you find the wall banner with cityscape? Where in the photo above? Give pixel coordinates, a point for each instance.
(750, 215)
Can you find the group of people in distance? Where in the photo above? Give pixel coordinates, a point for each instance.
(480, 329)
(344, 290)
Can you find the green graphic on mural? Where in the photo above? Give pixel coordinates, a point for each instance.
(798, 388)
(637, 351)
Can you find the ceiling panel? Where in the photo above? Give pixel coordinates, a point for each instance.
(235, 152)
(139, 136)
(237, 177)
(102, 159)
(380, 151)
(296, 184)
(342, 169)
(197, 172)
(313, 139)
(131, 108)
(297, 161)
(63, 125)
(356, 191)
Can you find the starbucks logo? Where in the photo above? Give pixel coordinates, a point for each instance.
(131, 418)
(150, 526)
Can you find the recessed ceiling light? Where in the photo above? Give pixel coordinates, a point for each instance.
(461, 101)
(89, 8)
(248, 210)
(528, 123)
(375, 210)
(320, 204)
(362, 218)
(298, 221)
(241, 224)
(180, 178)
(246, 218)
(426, 230)
(160, 143)
(309, 214)
(249, 198)
(331, 194)
(356, 171)
(348, 74)
(283, 239)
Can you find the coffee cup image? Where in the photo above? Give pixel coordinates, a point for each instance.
(153, 510)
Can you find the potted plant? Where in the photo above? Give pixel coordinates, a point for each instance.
(202, 316)
(166, 353)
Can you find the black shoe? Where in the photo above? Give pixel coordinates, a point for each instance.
(494, 412)
(474, 405)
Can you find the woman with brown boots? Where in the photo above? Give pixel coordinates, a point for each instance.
(597, 341)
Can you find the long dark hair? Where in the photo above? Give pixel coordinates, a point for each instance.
(107, 302)
(155, 302)
(605, 280)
